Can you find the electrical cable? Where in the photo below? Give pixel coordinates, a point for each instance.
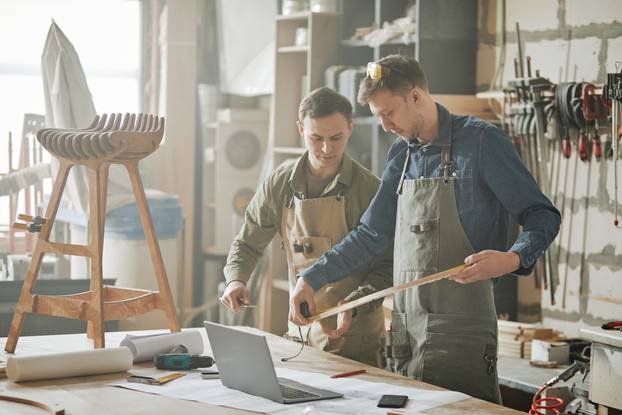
(302, 345)
(546, 404)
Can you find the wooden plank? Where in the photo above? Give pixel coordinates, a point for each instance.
(65, 249)
(386, 292)
(465, 105)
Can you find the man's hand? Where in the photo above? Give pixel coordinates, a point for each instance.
(344, 320)
(302, 292)
(235, 293)
(487, 264)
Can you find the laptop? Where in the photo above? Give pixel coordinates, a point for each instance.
(245, 364)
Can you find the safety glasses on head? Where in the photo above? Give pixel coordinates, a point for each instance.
(377, 72)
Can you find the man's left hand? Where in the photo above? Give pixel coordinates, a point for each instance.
(487, 264)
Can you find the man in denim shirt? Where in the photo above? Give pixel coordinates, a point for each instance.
(448, 185)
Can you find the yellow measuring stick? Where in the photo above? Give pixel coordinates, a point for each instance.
(386, 292)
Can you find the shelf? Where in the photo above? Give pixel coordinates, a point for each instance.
(495, 94)
(304, 15)
(290, 150)
(355, 43)
(293, 49)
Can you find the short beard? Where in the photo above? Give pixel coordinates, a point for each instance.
(418, 127)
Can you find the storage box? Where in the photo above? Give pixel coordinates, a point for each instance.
(550, 351)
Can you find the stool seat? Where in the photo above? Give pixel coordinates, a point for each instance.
(114, 138)
(110, 139)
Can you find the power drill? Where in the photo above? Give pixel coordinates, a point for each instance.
(178, 358)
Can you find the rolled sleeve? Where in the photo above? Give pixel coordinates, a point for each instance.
(516, 189)
(257, 231)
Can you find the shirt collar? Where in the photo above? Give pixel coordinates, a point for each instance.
(444, 129)
(297, 179)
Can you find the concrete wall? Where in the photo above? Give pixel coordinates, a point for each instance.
(588, 250)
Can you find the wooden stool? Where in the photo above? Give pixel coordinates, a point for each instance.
(114, 139)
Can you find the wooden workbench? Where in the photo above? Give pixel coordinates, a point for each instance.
(90, 395)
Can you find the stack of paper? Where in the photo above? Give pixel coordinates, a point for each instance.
(360, 397)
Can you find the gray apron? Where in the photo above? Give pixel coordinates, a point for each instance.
(443, 333)
(310, 227)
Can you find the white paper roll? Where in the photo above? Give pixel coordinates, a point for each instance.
(63, 365)
(144, 348)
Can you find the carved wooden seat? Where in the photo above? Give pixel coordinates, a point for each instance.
(109, 139)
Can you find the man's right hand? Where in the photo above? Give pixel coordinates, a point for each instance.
(302, 293)
(235, 293)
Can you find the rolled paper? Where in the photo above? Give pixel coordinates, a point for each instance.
(64, 365)
(144, 348)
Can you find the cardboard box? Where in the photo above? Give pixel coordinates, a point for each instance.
(550, 351)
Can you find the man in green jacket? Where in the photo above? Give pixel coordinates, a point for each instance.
(312, 203)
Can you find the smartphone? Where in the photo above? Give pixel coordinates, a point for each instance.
(210, 374)
(392, 401)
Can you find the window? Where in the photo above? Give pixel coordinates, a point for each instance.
(106, 35)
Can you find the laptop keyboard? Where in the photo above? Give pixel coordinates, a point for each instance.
(293, 393)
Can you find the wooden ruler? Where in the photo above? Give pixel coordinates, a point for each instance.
(386, 292)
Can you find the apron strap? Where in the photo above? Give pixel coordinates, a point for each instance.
(406, 163)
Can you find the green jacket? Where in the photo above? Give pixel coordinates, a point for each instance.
(264, 213)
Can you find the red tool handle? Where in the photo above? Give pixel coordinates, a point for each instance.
(567, 147)
(611, 325)
(598, 150)
(582, 147)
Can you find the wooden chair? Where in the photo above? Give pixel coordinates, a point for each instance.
(109, 139)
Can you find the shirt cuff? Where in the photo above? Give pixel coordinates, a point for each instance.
(527, 260)
(314, 279)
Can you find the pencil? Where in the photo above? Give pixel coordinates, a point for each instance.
(348, 374)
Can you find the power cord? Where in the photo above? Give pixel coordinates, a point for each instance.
(552, 403)
(302, 345)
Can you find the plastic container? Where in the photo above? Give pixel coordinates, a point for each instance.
(126, 254)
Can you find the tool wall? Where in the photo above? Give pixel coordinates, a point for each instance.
(567, 135)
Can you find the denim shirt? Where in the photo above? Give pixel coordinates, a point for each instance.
(491, 182)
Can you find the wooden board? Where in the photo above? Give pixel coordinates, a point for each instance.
(386, 292)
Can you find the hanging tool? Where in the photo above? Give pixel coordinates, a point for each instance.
(568, 243)
(591, 114)
(614, 93)
(178, 358)
(521, 70)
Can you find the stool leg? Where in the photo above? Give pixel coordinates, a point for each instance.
(103, 194)
(167, 304)
(24, 303)
(97, 299)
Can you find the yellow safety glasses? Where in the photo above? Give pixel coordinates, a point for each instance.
(374, 71)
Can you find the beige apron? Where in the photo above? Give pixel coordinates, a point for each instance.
(310, 227)
(443, 333)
